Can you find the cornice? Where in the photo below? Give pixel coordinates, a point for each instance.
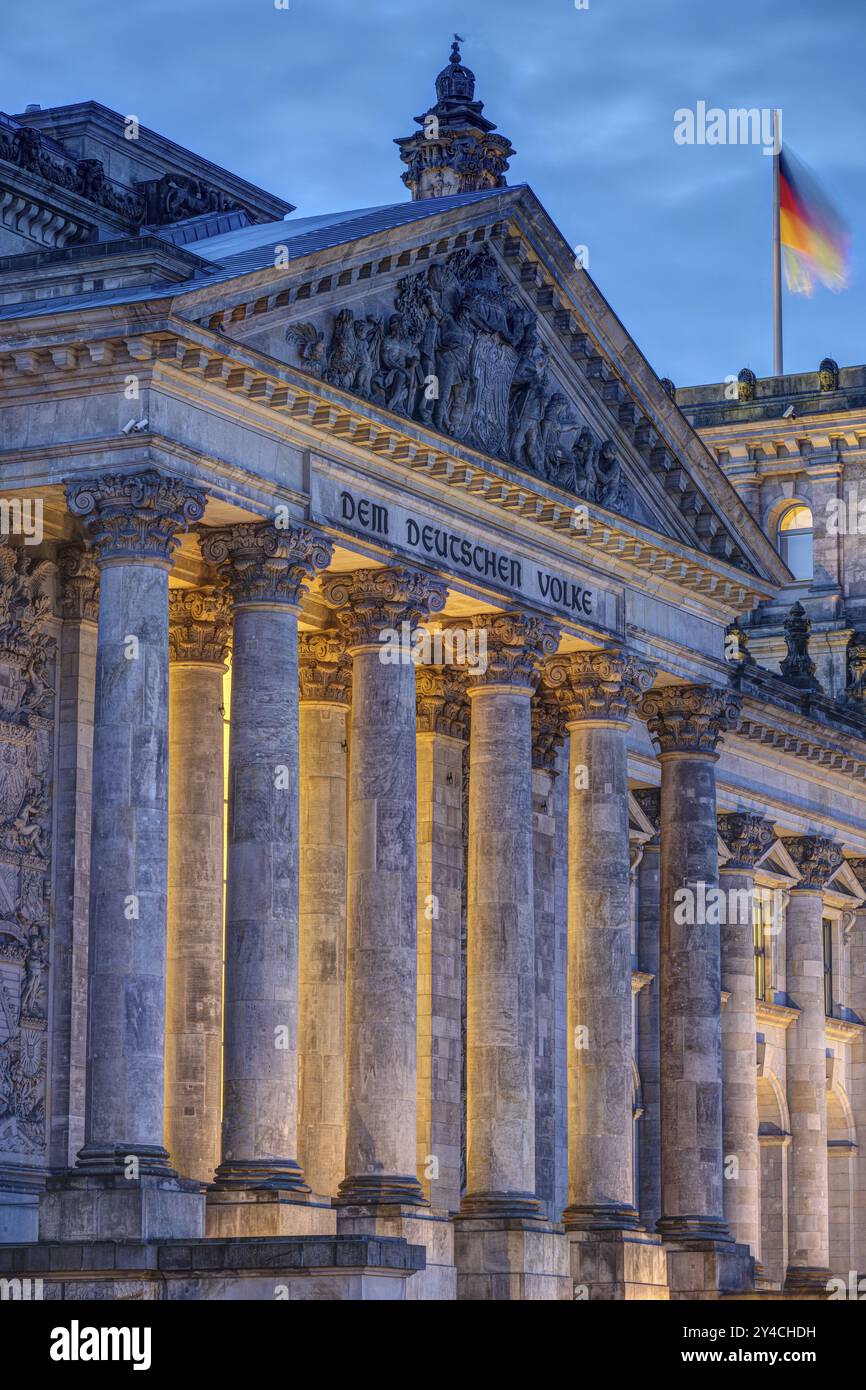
(770, 1015)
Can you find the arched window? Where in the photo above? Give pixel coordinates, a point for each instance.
(795, 540)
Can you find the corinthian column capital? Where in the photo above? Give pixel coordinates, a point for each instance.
(549, 729)
(324, 667)
(817, 860)
(135, 516)
(441, 706)
(264, 563)
(748, 837)
(199, 625)
(602, 685)
(371, 601)
(79, 583)
(689, 718)
(510, 648)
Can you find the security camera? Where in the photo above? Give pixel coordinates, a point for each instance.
(789, 413)
(134, 427)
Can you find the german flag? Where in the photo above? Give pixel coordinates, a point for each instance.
(814, 237)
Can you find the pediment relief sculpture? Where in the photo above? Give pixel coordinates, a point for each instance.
(457, 350)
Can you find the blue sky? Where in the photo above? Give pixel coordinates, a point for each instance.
(306, 102)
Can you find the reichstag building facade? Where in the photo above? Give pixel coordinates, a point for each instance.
(432, 754)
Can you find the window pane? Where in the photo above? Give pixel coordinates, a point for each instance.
(797, 553)
(796, 519)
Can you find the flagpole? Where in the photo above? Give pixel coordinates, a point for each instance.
(777, 252)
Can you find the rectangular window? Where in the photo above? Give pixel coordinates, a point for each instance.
(828, 967)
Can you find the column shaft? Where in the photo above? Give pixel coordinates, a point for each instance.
(500, 957)
(648, 1056)
(808, 1210)
(322, 1028)
(742, 1188)
(440, 885)
(687, 723)
(193, 1057)
(600, 1081)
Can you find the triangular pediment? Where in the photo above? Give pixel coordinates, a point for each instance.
(468, 315)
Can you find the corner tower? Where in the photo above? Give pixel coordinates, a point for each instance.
(455, 151)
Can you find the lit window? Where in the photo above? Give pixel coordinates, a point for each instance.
(795, 541)
(762, 919)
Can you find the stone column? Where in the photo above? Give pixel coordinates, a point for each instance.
(266, 568)
(686, 723)
(548, 736)
(134, 521)
(817, 859)
(501, 925)
(79, 607)
(199, 629)
(648, 1058)
(442, 716)
(504, 1248)
(748, 837)
(598, 691)
(381, 1134)
(325, 684)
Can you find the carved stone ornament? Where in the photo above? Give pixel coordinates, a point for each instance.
(798, 668)
(649, 800)
(324, 667)
(79, 583)
(456, 150)
(373, 602)
(265, 563)
(747, 836)
(549, 729)
(458, 351)
(689, 718)
(441, 704)
(27, 697)
(199, 625)
(30, 150)
(855, 690)
(858, 869)
(828, 375)
(816, 857)
(597, 685)
(514, 647)
(135, 515)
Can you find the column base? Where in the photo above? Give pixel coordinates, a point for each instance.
(150, 1160)
(92, 1206)
(511, 1261)
(702, 1269)
(501, 1206)
(376, 1190)
(610, 1216)
(618, 1265)
(253, 1211)
(691, 1228)
(807, 1279)
(432, 1230)
(274, 1174)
